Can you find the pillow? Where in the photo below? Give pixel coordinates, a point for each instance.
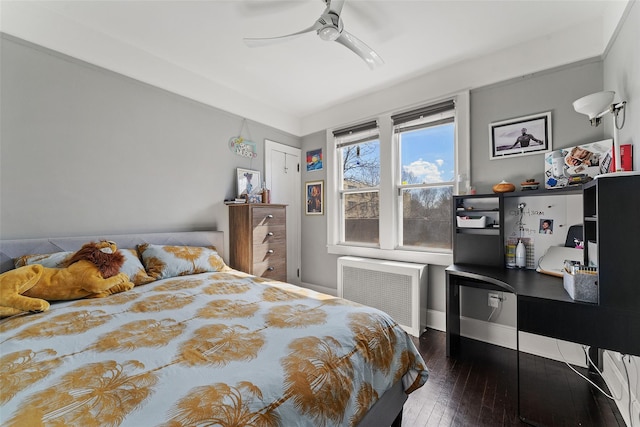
(54, 260)
(134, 268)
(162, 261)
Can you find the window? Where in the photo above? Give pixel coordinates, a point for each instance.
(358, 154)
(391, 181)
(425, 140)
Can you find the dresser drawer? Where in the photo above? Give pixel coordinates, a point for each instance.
(265, 234)
(268, 216)
(269, 251)
(273, 268)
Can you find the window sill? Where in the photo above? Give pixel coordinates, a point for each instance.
(434, 258)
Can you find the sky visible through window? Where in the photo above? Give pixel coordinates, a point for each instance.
(428, 153)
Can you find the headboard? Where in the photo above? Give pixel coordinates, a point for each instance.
(11, 249)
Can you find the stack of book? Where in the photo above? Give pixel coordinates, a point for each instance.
(237, 200)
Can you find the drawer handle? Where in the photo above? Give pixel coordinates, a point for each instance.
(270, 269)
(270, 251)
(270, 233)
(269, 216)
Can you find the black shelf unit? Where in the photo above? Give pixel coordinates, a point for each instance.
(610, 205)
(485, 246)
(481, 246)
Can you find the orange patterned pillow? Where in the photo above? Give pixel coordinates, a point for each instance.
(134, 268)
(163, 261)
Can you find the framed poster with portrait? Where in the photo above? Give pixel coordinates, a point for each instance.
(314, 191)
(520, 136)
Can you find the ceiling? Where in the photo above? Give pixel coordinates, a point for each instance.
(195, 47)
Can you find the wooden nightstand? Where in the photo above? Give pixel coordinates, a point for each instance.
(258, 239)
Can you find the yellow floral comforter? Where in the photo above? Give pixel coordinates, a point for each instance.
(223, 348)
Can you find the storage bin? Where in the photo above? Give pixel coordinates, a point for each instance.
(472, 221)
(581, 286)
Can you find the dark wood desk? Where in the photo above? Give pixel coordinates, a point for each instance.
(544, 308)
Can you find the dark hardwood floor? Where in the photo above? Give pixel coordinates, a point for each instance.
(479, 388)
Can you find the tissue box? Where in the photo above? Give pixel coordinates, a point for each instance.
(472, 221)
(581, 286)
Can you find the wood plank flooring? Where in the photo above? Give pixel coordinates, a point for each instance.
(479, 389)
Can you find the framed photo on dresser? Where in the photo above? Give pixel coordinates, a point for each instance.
(248, 181)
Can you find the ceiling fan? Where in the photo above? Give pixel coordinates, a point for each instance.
(330, 28)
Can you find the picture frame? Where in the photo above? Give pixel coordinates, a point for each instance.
(520, 136)
(248, 181)
(314, 197)
(314, 160)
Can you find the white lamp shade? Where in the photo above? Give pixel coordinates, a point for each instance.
(594, 104)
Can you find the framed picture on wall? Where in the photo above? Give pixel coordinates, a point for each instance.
(314, 191)
(314, 160)
(248, 181)
(520, 136)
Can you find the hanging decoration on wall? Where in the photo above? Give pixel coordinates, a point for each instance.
(243, 147)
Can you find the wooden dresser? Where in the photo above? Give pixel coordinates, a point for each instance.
(258, 239)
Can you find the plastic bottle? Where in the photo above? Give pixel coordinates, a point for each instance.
(521, 255)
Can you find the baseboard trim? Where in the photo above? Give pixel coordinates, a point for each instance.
(617, 382)
(321, 289)
(496, 333)
(505, 336)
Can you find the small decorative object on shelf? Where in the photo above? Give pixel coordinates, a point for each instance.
(530, 184)
(504, 187)
(254, 198)
(266, 194)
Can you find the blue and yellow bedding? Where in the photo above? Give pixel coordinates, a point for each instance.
(222, 348)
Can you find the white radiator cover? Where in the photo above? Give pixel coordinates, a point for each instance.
(397, 288)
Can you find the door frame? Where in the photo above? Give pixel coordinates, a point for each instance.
(269, 147)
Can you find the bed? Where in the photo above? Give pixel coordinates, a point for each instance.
(201, 348)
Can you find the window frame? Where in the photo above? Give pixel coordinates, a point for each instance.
(342, 192)
(431, 120)
(388, 245)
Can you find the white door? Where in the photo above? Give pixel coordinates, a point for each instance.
(282, 175)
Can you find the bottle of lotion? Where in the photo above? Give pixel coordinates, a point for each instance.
(521, 255)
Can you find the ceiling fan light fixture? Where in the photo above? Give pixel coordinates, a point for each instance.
(329, 33)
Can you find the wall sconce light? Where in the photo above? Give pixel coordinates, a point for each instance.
(597, 105)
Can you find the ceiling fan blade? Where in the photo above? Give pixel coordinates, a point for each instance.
(334, 6)
(255, 42)
(356, 45)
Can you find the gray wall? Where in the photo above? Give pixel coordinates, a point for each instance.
(318, 267)
(85, 150)
(552, 90)
(622, 75)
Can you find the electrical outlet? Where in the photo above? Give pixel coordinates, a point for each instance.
(494, 300)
